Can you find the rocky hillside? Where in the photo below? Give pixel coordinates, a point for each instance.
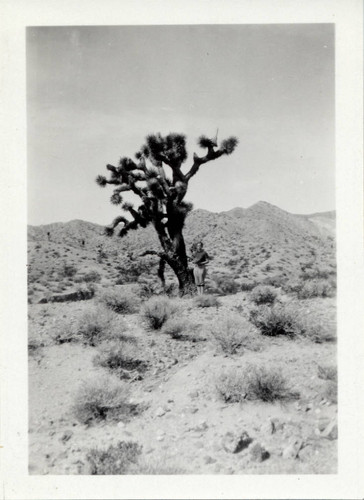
(256, 243)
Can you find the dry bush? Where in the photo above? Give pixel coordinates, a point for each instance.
(157, 310)
(116, 459)
(315, 329)
(102, 399)
(273, 321)
(247, 285)
(119, 301)
(225, 284)
(92, 276)
(233, 334)
(181, 329)
(206, 301)
(289, 321)
(92, 327)
(262, 383)
(316, 273)
(67, 270)
(316, 288)
(122, 359)
(263, 295)
(327, 372)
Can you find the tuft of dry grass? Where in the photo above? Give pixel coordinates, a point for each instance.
(274, 321)
(157, 310)
(119, 301)
(92, 327)
(116, 459)
(316, 288)
(262, 383)
(122, 359)
(263, 295)
(233, 334)
(102, 399)
(327, 372)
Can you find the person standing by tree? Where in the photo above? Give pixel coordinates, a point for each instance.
(200, 259)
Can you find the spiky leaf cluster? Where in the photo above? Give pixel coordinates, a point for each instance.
(162, 198)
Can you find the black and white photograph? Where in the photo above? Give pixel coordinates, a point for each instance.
(185, 294)
(182, 319)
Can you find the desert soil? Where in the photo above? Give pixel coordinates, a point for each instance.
(185, 428)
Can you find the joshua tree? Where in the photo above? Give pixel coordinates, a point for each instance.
(162, 197)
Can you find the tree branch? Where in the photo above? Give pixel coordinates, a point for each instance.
(198, 161)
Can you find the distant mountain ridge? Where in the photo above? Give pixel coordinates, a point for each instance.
(255, 243)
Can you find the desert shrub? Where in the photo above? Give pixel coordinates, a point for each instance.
(206, 301)
(316, 288)
(277, 281)
(91, 327)
(148, 287)
(157, 310)
(123, 359)
(233, 334)
(34, 345)
(276, 320)
(116, 459)
(292, 286)
(327, 372)
(92, 276)
(315, 329)
(289, 321)
(330, 391)
(67, 270)
(247, 285)
(181, 329)
(226, 284)
(263, 383)
(103, 399)
(230, 386)
(268, 384)
(119, 301)
(263, 295)
(315, 273)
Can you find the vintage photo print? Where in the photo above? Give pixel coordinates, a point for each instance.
(188, 267)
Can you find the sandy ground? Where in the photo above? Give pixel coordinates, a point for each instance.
(185, 427)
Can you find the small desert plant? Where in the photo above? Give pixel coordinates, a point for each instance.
(273, 321)
(157, 310)
(315, 329)
(67, 270)
(206, 301)
(327, 372)
(225, 284)
(275, 281)
(91, 327)
(103, 399)
(115, 459)
(92, 277)
(123, 359)
(263, 295)
(119, 301)
(233, 334)
(247, 285)
(268, 384)
(254, 382)
(180, 329)
(316, 288)
(230, 386)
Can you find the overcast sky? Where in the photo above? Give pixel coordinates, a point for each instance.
(94, 93)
